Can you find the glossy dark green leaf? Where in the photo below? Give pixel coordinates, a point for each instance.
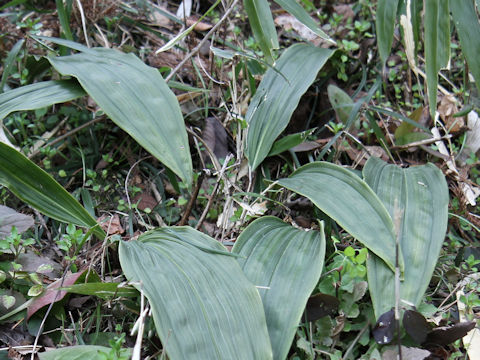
(203, 305)
(278, 96)
(286, 263)
(421, 193)
(38, 189)
(348, 200)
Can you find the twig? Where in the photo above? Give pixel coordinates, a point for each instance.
(42, 324)
(397, 218)
(421, 142)
(70, 133)
(201, 43)
(350, 348)
(192, 200)
(82, 16)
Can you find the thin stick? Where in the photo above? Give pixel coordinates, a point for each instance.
(70, 133)
(201, 43)
(192, 200)
(42, 324)
(397, 218)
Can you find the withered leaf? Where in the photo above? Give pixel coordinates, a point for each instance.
(320, 305)
(384, 329)
(416, 326)
(445, 335)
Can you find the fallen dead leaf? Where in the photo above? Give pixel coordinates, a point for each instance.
(201, 26)
(408, 353)
(448, 108)
(111, 224)
(289, 22)
(345, 10)
(472, 143)
(216, 138)
(51, 294)
(145, 201)
(10, 218)
(471, 341)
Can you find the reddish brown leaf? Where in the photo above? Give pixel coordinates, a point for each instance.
(52, 294)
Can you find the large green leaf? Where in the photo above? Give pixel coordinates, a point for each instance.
(437, 45)
(263, 28)
(278, 96)
(203, 305)
(79, 352)
(468, 28)
(295, 9)
(38, 189)
(348, 200)
(421, 193)
(385, 25)
(286, 262)
(137, 99)
(38, 95)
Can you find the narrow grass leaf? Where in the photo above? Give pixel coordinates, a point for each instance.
(80, 352)
(286, 262)
(103, 290)
(421, 192)
(9, 62)
(361, 213)
(137, 99)
(295, 9)
(437, 45)
(64, 18)
(39, 95)
(38, 189)
(289, 141)
(468, 27)
(263, 27)
(278, 96)
(385, 25)
(203, 305)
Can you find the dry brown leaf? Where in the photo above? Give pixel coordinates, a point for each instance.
(472, 339)
(201, 26)
(216, 138)
(448, 108)
(10, 218)
(111, 224)
(408, 353)
(145, 201)
(289, 22)
(159, 19)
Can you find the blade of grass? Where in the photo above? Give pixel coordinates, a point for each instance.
(9, 63)
(437, 45)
